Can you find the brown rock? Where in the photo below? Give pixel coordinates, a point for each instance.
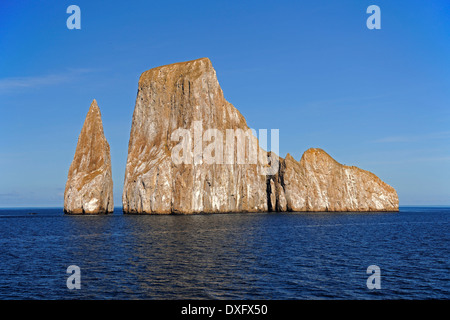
(175, 96)
(89, 187)
(187, 95)
(320, 183)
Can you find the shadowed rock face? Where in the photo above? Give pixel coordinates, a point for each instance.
(89, 187)
(182, 94)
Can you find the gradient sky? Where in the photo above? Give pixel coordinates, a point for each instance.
(376, 99)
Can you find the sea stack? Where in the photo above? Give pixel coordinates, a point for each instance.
(89, 187)
(319, 183)
(186, 97)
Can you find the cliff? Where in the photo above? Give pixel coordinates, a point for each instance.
(186, 96)
(319, 183)
(191, 151)
(89, 187)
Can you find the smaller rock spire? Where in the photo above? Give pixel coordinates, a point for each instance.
(89, 187)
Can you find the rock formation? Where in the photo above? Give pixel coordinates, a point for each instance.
(89, 187)
(186, 96)
(319, 183)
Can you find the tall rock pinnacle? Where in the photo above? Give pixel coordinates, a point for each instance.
(186, 96)
(89, 187)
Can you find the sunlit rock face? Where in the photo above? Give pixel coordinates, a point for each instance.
(89, 187)
(319, 183)
(187, 96)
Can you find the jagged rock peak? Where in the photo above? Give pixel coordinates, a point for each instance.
(89, 187)
(319, 183)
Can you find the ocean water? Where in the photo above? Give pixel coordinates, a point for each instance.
(225, 256)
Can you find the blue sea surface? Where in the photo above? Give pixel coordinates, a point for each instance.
(225, 256)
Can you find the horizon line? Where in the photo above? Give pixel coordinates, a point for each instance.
(121, 207)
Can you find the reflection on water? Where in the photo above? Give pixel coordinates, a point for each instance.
(225, 256)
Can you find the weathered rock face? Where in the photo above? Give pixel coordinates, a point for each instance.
(89, 187)
(319, 183)
(187, 96)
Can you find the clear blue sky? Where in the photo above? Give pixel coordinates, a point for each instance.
(377, 99)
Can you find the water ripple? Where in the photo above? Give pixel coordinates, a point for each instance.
(230, 256)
